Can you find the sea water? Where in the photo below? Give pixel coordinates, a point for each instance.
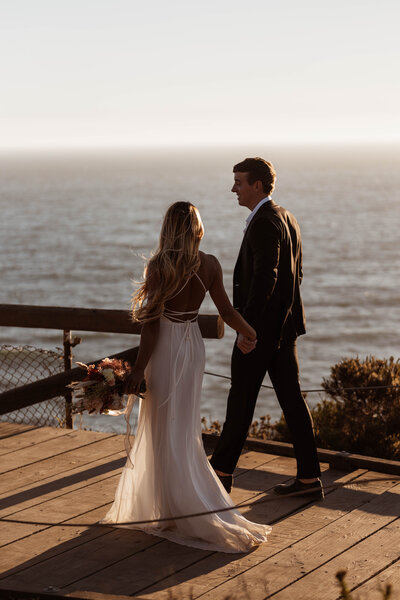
(75, 227)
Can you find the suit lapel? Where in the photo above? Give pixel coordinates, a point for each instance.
(265, 208)
(260, 213)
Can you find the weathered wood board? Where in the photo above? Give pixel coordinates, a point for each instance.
(59, 478)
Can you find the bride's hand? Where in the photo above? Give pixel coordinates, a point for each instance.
(245, 344)
(134, 381)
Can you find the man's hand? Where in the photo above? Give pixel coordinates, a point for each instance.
(245, 344)
(133, 381)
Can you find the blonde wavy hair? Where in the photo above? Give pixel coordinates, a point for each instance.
(175, 259)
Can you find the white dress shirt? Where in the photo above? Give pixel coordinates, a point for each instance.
(255, 209)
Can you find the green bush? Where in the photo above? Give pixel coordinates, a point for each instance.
(356, 420)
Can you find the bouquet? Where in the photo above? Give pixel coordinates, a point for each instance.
(101, 391)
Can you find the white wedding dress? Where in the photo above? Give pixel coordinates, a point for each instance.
(167, 473)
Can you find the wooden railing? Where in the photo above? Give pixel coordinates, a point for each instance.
(89, 319)
(77, 319)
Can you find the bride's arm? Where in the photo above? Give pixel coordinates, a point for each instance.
(231, 316)
(148, 341)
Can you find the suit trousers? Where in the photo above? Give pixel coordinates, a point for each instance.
(248, 372)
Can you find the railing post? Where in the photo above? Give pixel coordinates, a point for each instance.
(67, 344)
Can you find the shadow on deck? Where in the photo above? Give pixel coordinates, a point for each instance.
(67, 480)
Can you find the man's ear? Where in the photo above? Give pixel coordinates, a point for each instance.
(258, 186)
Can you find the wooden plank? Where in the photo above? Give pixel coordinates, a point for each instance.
(82, 595)
(90, 460)
(371, 589)
(66, 318)
(363, 561)
(344, 461)
(168, 557)
(256, 472)
(124, 572)
(246, 461)
(29, 437)
(96, 467)
(50, 467)
(78, 585)
(9, 429)
(89, 319)
(55, 474)
(41, 542)
(63, 507)
(61, 550)
(51, 593)
(284, 534)
(109, 550)
(37, 545)
(89, 556)
(22, 531)
(284, 568)
(288, 531)
(261, 481)
(357, 461)
(74, 439)
(251, 460)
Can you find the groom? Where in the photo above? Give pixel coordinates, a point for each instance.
(266, 291)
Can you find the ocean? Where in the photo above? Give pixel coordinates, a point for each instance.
(76, 225)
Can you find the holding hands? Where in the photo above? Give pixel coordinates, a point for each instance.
(246, 344)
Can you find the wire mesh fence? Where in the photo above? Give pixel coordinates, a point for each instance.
(20, 365)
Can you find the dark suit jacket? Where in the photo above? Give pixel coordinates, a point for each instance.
(268, 274)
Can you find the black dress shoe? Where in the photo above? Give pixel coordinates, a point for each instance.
(313, 491)
(227, 481)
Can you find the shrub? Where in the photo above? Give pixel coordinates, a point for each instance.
(356, 420)
(262, 428)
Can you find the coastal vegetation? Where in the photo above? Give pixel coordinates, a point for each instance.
(360, 412)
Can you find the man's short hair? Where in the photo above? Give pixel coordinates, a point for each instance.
(258, 169)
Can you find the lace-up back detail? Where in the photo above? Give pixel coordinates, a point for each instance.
(176, 315)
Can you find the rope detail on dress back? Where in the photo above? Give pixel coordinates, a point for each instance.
(174, 315)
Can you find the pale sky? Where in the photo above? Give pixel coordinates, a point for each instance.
(129, 72)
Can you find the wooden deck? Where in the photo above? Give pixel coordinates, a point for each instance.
(66, 477)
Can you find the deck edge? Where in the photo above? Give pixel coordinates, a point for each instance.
(343, 461)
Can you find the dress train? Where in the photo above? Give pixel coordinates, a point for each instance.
(167, 473)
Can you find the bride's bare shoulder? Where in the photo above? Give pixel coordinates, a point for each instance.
(210, 266)
(209, 261)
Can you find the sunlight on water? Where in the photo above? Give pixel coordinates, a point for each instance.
(74, 228)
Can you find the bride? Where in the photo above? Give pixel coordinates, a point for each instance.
(167, 473)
